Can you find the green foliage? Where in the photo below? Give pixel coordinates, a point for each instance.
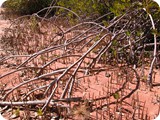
(113, 49)
(120, 6)
(26, 6)
(15, 113)
(33, 24)
(128, 33)
(39, 112)
(83, 8)
(105, 23)
(116, 95)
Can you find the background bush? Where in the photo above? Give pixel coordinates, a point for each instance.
(84, 8)
(26, 6)
(91, 9)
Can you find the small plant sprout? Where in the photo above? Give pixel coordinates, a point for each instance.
(16, 113)
(39, 112)
(116, 95)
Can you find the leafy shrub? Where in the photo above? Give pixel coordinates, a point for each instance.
(85, 8)
(26, 6)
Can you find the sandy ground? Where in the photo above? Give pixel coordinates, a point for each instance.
(3, 24)
(150, 98)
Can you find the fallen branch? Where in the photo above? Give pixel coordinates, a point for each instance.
(52, 102)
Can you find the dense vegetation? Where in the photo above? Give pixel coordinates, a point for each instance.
(26, 6)
(87, 9)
